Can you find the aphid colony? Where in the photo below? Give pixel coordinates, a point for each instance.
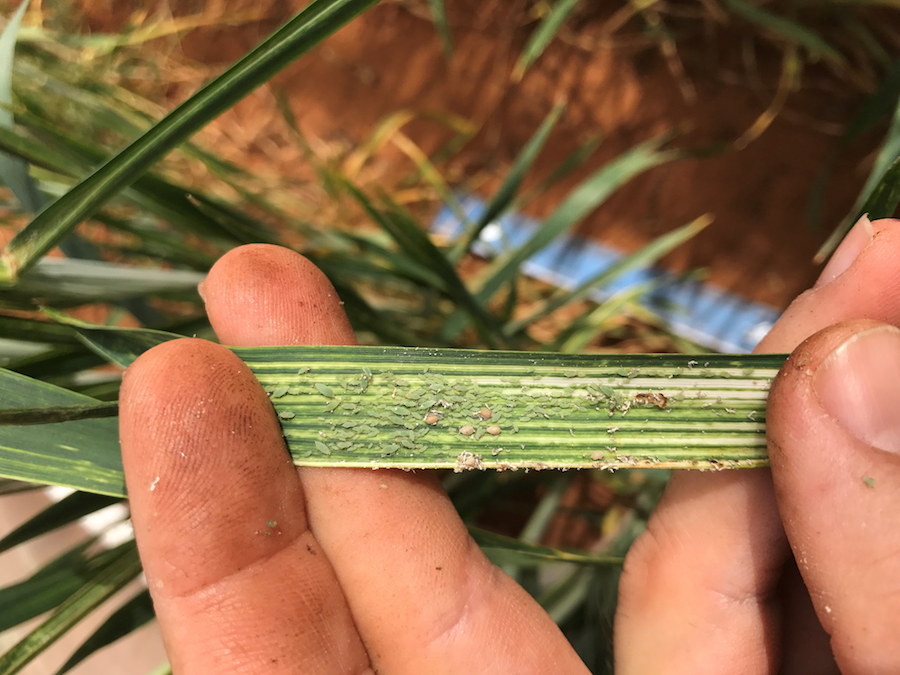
(405, 414)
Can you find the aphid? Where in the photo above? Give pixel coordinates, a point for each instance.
(432, 419)
(652, 398)
(607, 391)
(467, 430)
(485, 413)
(321, 447)
(494, 430)
(303, 371)
(286, 415)
(325, 390)
(280, 391)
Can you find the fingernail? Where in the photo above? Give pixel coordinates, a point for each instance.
(859, 236)
(200, 290)
(859, 386)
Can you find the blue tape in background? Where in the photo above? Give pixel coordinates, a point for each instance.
(695, 310)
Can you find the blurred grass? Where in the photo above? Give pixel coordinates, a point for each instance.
(79, 98)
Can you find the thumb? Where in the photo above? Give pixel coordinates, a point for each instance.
(834, 440)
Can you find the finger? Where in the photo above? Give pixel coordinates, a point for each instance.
(422, 595)
(712, 555)
(834, 438)
(218, 514)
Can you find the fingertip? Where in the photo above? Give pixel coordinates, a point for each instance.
(261, 294)
(830, 412)
(205, 465)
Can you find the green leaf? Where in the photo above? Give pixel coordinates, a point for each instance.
(441, 25)
(13, 170)
(299, 35)
(103, 583)
(416, 244)
(887, 154)
(569, 163)
(791, 31)
(882, 203)
(647, 255)
(874, 109)
(135, 613)
(589, 194)
(63, 413)
(83, 455)
(48, 587)
(544, 33)
(20, 328)
(503, 198)
(500, 548)
(584, 199)
(63, 512)
(118, 345)
(86, 281)
(585, 330)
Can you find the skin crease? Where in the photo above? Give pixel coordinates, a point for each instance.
(256, 566)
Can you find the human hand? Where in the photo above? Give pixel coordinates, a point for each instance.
(256, 566)
(712, 585)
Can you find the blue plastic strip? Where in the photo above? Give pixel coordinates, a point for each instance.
(696, 310)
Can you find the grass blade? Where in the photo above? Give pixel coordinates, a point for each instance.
(503, 549)
(889, 152)
(792, 31)
(121, 569)
(874, 109)
(882, 203)
(589, 194)
(63, 413)
(441, 25)
(60, 514)
(404, 407)
(645, 256)
(311, 26)
(135, 613)
(13, 170)
(83, 455)
(542, 36)
(48, 587)
(503, 199)
(415, 242)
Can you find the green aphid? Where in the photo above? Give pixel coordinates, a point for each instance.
(303, 371)
(395, 419)
(325, 390)
(607, 391)
(324, 449)
(331, 406)
(293, 391)
(286, 415)
(280, 391)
